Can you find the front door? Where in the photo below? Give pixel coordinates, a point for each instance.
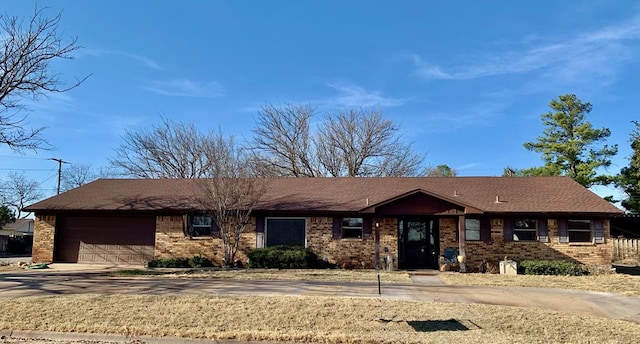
(418, 243)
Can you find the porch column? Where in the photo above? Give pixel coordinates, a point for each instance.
(461, 241)
(376, 237)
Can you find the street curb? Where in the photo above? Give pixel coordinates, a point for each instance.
(117, 338)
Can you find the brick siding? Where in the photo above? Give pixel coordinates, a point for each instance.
(498, 248)
(171, 241)
(355, 252)
(43, 239)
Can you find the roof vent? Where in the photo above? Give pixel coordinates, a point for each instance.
(455, 193)
(498, 199)
(367, 201)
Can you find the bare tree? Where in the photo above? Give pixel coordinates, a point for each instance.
(283, 142)
(170, 150)
(76, 175)
(230, 197)
(27, 50)
(19, 191)
(360, 143)
(440, 171)
(354, 143)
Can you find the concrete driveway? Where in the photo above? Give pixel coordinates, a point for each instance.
(425, 287)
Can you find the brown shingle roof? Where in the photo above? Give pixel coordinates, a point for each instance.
(516, 194)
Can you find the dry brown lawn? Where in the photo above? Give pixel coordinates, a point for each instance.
(614, 283)
(308, 319)
(9, 268)
(281, 275)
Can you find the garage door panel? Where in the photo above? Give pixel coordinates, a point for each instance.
(121, 240)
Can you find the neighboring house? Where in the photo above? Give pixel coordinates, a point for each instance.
(415, 219)
(19, 228)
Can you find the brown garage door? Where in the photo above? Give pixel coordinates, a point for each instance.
(120, 240)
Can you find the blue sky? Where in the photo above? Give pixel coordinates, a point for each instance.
(466, 81)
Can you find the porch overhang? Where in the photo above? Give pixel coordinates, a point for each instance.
(428, 203)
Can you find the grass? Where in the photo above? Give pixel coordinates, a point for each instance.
(308, 319)
(273, 275)
(613, 283)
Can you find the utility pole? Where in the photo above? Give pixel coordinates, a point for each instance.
(60, 162)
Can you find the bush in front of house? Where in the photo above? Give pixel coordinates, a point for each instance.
(282, 257)
(552, 267)
(193, 262)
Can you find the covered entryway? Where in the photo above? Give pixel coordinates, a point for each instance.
(418, 242)
(104, 239)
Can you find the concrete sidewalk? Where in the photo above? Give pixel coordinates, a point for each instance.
(425, 287)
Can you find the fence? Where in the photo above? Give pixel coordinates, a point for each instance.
(625, 249)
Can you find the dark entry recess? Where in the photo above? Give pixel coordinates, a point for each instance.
(418, 243)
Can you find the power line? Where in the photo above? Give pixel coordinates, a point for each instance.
(60, 162)
(26, 169)
(22, 157)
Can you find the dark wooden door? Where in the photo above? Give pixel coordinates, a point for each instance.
(418, 243)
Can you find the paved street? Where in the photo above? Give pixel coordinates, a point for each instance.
(424, 288)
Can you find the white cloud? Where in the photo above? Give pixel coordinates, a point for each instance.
(479, 114)
(148, 62)
(467, 166)
(185, 88)
(120, 124)
(595, 53)
(351, 95)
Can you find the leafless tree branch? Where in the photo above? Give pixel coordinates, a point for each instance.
(282, 141)
(19, 191)
(231, 196)
(26, 51)
(361, 143)
(169, 150)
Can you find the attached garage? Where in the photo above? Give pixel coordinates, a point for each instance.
(104, 239)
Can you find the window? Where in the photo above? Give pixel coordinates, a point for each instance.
(579, 230)
(525, 230)
(472, 229)
(200, 226)
(285, 231)
(417, 231)
(352, 227)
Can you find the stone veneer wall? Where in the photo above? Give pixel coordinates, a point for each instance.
(352, 251)
(171, 241)
(497, 249)
(43, 239)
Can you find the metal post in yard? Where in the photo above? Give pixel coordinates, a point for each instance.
(377, 248)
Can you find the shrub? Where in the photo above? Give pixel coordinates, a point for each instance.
(552, 267)
(193, 262)
(282, 257)
(200, 262)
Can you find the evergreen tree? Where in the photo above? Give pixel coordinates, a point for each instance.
(570, 145)
(629, 179)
